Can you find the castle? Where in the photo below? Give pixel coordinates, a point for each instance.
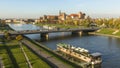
(64, 16)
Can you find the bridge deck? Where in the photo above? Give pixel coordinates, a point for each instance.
(50, 31)
(53, 31)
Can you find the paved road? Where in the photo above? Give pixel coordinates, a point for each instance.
(48, 57)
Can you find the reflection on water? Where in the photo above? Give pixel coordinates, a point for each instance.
(24, 26)
(108, 46)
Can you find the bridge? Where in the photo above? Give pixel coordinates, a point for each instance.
(44, 32)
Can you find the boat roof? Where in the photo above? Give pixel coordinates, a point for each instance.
(96, 54)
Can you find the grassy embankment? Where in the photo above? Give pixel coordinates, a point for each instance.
(16, 53)
(41, 63)
(109, 31)
(19, 56)
(48, 51)
(105, 31)
(3, 52)
(20, 59)
(5, 57)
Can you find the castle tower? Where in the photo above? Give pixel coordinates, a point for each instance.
(81, 15)
(59, 12)
(62, 16)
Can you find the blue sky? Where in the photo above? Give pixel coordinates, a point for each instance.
(37, 8)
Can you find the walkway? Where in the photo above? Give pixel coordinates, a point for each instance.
(26, 57)
(50, 59)
(1, 63)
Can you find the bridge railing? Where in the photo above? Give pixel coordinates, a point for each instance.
(48, 30)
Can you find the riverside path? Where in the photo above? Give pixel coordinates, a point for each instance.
(51, 60)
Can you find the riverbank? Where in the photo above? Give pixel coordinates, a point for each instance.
(49, 55)
(109, 47)
(108, 32)
(61, 61)
(100, 34)
(104, 31)
(13, 57)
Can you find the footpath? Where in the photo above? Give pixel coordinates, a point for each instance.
(1, 63)
(51, 60)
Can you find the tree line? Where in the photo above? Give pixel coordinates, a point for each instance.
(100, 22)
(109, 23)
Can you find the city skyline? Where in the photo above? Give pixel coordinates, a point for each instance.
(35, 8)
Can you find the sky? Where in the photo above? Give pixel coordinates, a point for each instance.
(37, 8)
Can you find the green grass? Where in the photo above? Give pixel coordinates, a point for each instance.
(55, 56)
(19, 56)
(3, 53)
(117, 34)
(17, 53)
(5, 58)
(35, 61)
(106, 31)
(109, 31)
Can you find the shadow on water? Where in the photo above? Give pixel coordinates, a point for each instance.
(56, 38)
(62, 37)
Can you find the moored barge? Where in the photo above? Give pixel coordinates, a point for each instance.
(80, 54)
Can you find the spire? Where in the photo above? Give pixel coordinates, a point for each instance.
(59, 12)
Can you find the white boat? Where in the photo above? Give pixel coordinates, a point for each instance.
(80, 53)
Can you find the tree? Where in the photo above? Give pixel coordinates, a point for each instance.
(75, 22)
(7, 35)
(19, 37)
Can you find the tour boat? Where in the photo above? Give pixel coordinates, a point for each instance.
(80, 53)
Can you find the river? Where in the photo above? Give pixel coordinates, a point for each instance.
(109, 47)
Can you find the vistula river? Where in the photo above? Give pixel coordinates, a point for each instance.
(109, 47)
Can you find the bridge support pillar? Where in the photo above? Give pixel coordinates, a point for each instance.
(77, 33)
(80, 33)
(84, 33)
(44, 36)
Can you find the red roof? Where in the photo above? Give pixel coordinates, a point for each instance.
(75, 15)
